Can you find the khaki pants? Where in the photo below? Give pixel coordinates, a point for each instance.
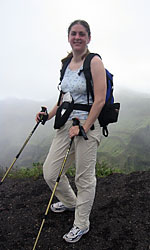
(84, 153)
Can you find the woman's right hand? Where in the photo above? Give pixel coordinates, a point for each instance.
(49, 115)
(39, 116)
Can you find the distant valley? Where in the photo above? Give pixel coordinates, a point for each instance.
(126, 148)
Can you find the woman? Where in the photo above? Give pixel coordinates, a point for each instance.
(84, 152)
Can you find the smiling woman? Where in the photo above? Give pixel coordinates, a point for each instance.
(78, 39)
(74, 90)
(79, 35)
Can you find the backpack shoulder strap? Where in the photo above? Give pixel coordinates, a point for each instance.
(64, 66)
(86, 64)
(89, 58)
(62, 72)
(88, 75)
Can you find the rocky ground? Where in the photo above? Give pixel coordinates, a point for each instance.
(120, 218)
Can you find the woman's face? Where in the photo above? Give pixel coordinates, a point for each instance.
(78, 38)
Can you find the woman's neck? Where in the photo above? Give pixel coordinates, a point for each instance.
(78, 57)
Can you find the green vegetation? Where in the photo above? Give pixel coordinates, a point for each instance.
(102, 169)
(71, 171)
(130, 154)
(36, 171)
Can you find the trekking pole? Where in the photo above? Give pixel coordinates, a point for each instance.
(43, 120)
(75, 122)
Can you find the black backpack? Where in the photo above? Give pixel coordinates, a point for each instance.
(110, 111)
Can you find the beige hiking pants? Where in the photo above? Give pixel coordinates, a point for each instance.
(84, 153)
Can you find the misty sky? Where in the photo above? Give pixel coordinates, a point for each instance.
(33, 39)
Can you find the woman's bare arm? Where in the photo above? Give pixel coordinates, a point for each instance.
(99, 82)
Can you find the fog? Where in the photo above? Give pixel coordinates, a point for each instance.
(34, 39)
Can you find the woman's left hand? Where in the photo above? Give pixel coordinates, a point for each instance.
(73, 131)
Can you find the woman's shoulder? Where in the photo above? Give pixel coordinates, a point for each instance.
(96, 61)
(96, 58)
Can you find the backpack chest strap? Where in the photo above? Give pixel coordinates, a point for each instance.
(83, 107)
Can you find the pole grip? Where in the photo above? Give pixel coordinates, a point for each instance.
(44, 117)
(76, 122)
(43, 109)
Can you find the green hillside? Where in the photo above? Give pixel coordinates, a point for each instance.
(127, 147)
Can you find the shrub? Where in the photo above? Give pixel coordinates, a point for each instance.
(36, 171)
(102, 169)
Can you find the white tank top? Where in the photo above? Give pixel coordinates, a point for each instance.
(76, 84)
